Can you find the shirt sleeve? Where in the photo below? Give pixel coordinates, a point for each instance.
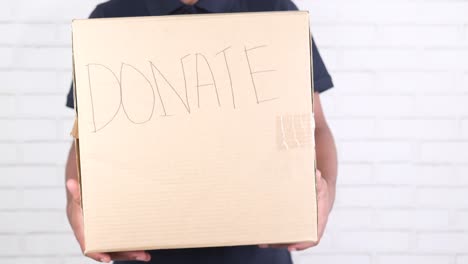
(322, 79)
(97, 13)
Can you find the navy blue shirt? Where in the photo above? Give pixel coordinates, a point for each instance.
(131, 8)
(322, 81)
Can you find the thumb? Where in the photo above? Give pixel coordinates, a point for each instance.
(318, 175)
(74, 190)
(320, 182)
(318, 178)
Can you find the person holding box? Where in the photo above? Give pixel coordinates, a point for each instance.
(325, 146)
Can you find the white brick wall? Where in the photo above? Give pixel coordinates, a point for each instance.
(399, 113)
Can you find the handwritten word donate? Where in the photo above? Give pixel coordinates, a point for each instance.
(158, 77)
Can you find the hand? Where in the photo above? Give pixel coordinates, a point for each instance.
(75, 217)
(324, 206)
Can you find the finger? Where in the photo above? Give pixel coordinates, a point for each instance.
(101, 257)
(75, 216)
(131, 255)
(301, 246)
(74, 190)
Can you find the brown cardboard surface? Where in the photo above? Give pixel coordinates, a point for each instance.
(195, 130)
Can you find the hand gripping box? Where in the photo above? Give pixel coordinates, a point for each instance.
(195, 130)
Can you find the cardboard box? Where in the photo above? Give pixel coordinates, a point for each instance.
(195, 130)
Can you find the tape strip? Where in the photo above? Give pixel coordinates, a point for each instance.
(295, 131)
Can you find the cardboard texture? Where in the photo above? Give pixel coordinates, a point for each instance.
(195, 130)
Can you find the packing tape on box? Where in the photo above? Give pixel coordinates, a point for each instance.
(295, 131)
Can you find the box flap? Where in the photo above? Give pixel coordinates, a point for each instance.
(312, 84)
(74, 131)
